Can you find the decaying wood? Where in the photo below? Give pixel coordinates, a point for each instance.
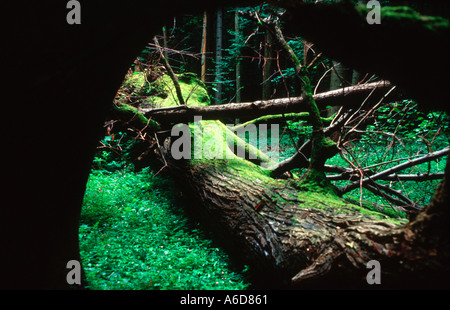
(293, 236)
(348, 96)
(292, 240)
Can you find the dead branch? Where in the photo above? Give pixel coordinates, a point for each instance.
(390, 198)
(388, 193)
(347, 96)
(390, 171)
(170, 73)
(350, 175)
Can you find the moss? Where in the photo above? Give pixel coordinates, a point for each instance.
(329, 202)
(315, 181)
(323, 148)
(136, 84)
(193, 91)
(133, 116)
(220, 142)
(250, 171)
(404, 16)
(162, 93)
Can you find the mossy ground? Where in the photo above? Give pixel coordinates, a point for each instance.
(161, 92)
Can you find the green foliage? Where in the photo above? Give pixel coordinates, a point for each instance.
(114, 153)
(399, 131)
(134, 236)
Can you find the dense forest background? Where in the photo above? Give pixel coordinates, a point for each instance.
(135, 231)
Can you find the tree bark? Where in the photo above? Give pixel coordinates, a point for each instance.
(341, 76)
(203, 48)
(292, 238)
(267, 88)
(237, 30)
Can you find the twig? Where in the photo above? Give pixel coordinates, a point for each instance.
(162, 156)
(349, 175)
(409, 163)
(170, 73)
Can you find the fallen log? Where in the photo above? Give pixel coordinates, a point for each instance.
(348, 96)
(293, 235)
(298, 233)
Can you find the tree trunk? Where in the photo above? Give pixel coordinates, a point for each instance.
(341, 76)
(203, 49)
(298, 233)
(170, 73)
(218, 80)
(165, 44)
(237, 30)
(307, 55)
(267, 88)
(293, 236)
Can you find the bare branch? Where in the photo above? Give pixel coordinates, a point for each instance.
(404, 202)
(347, 96)
(350, 175)
(170, 72)
(402, 166)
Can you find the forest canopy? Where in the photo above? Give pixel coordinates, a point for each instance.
(311, 165)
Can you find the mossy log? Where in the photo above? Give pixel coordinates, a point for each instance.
(298, 233)
(297, 237)
(293, 235)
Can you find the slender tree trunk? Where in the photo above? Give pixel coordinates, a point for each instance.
(251, 110)
(203, 48)
(341, 76)
(218, 80)
(170, 73)
(165, 44)
(307, 54)
(237, 30)
(267, 88)
(356, 77)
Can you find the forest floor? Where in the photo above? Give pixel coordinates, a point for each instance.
(134, 235)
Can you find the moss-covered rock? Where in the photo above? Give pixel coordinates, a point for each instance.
(140, 92)
(193, 91)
